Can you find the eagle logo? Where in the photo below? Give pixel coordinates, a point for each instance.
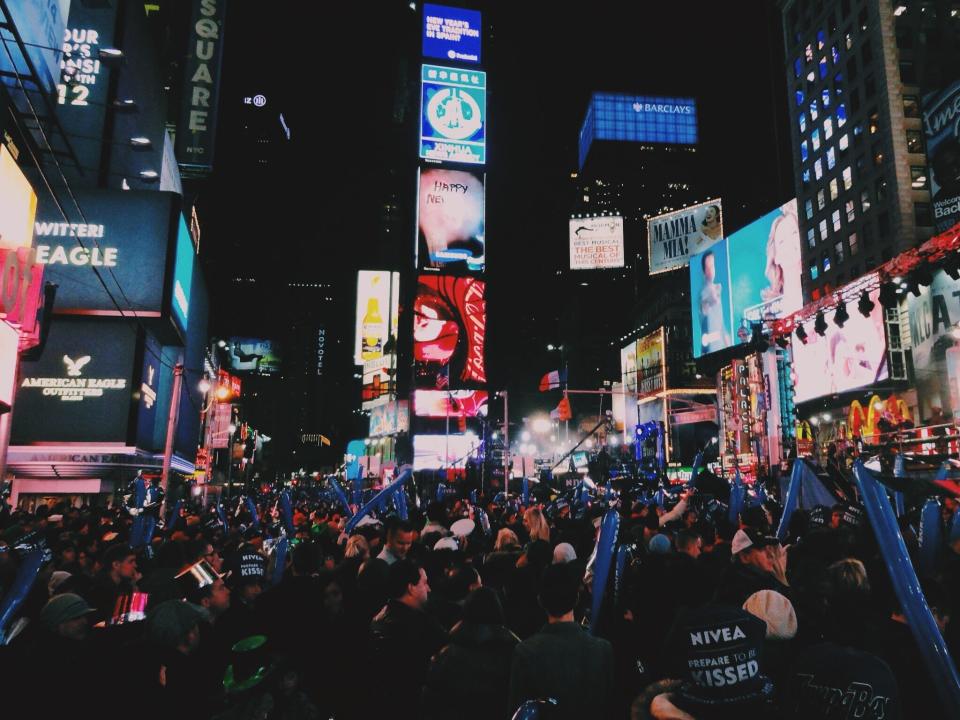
(75, 366)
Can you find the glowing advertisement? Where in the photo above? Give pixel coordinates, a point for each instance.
(752, 275)
(378, 307)
(40, 25)
(596, 243)
(651, 370)
(432, 452)
(450, 219)
(18, 204)
(941, 126)
(451, 33)
(932, 319)
(253, 355)
(390, 418)
(449, 331)
(628, 368)
(182, 275)
(453, 115)
(452, 403)
(9, 342)
(844, 358)
(81, 388)
(673, 237)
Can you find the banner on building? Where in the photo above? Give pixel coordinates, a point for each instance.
(596, 242)
(672, 238)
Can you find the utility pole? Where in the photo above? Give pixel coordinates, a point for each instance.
(171, 431)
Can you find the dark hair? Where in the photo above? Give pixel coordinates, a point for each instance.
(483, 607)
(401, 575)
(703, 259)
(436, 512)
(396, 525)
(559, 589)
(117, 552)
(304, 558)
(686, 539)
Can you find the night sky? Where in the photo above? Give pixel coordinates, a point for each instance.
(336, 70)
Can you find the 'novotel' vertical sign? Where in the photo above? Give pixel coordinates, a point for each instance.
(198, 113)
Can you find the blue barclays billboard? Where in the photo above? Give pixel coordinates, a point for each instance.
(451, 33)
(453, 115)
(638, 118)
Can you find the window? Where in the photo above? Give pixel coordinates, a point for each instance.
(823, 230)
(866, 52)
(815, 140)
(867, 239)
(844, 142)
(804, 153)
(826, 263)
(821, 199)
(811, 77)
(821, 39)
(802, 119)
(918, 177)
(818, 169)
(799, 96)
(847, 178)
(877, 154)
(834, 54)
(835, 218)
(881, 189)
(852, 69)
(831, 158)
(813, 110)
(808, 208)
(873, 124)
(808, 53)
(805, 177)
(814, 272)
(841, 115)
(811, 238)
(825, 96)
(862, 20)
(854, 95)
(851, 211)
(824, 68)
(833, 189)
(838, 252)
(911, 106)
(914, 141)
(883, 227)
(854, 247)
(838, 84)
(870, 88)
(827, 128)
(922, 215)
(864, 201)
(797, 67)
(908, 74)
(848, 40)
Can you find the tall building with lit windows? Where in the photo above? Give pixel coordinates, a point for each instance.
(856, 72)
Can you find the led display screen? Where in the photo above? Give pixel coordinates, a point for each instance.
(449, 331)
(451, 33)
(943, 151)
(453, 403)
(843, 358)
(182, 276)
(378, 308)
(754, 274)
(651, 372)
(390, 418)
(453, 115)
(596, 242)
(450, 219)
(673, 237)
(432, 452)
(253, 355)
(18, 204)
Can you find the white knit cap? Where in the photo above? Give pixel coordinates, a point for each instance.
(776, 611)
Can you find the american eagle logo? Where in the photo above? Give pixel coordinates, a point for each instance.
(75, 366)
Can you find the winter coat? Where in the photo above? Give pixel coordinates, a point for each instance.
(470, 677)
(741, 581)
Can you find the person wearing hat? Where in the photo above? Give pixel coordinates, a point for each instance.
(757, 562)
(563, 661)
(182, 678)
(247, 581)
(718, 670)
(470, 677)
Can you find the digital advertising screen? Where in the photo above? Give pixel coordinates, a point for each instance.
(628, 367)
(253, 355)
(942, 132)
(751, 275)
(451, 33)
(378, 308)
(844, 358)
(651, 371)
(81, 388)
(120, 234)
(673, 237)
(18, 204)
(182, 276)
(449, 331)
(452, 403)
(450, 219)
(432, 452)
(390, 418)
(596, 243)
(453, 115)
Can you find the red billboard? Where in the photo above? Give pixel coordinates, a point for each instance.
(449, 331)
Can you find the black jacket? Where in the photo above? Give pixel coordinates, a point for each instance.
(741, 581)
(470, 677)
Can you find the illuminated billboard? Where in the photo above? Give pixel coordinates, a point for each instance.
(81, 388)
(753, 274)
(651, 368)
(432, 452)
(449, 331)
(390, 418)
(596, 242)
(943, 151)
(40, 26)
(844, 358)
(638, 118)
(120, 234)
(452, 403)
(451, 33)
(453, 115)
(18, 204)
(182, 275)
(673, 237)
(253, 355)
(628, 368)
(450, 219)
(378, 308)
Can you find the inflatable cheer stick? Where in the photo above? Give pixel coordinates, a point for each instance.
(920, 620)
(252, 509)
(341, 495)
(930, 537)
(601, 568)
(286, 512)
(23, 582)
(405, 474)
(793, 496)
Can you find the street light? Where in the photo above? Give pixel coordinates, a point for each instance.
(525, 436)
(204, 386)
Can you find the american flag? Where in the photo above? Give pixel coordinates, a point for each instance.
(443, 377)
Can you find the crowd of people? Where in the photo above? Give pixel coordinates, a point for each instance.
(443, 615)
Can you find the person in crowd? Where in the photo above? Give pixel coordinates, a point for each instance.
(758, 563)
(118, 576)
(400, 536)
